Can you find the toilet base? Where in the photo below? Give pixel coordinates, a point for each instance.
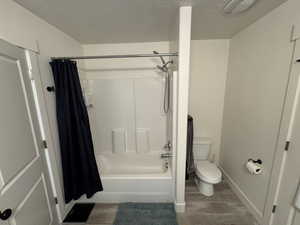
(204, 188)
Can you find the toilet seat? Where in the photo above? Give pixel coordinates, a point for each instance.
(208, 172)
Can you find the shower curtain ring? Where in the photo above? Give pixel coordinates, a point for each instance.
(50, 88)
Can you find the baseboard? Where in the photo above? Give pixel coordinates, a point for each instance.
(242, 196)
(179, 207)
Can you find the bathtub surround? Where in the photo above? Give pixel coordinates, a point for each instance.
(127, 123)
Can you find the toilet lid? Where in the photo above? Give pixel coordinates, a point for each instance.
(208, 172)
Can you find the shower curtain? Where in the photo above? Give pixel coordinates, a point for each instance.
(80, 172)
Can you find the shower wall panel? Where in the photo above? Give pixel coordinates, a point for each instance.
(150, 118)
(126, 111)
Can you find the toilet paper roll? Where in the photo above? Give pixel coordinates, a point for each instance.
(254, 168)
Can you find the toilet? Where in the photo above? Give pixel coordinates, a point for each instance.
(207, 173)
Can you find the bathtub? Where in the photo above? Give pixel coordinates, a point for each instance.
(132, 177)
(111, 164)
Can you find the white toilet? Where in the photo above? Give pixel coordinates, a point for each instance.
(207, 173)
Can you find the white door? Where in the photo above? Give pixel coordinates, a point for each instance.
(23, 175)
(288, 203)
(48, 105)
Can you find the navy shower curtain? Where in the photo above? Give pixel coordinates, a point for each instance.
(80, 172)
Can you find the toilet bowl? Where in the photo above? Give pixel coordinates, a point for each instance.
(207, 174)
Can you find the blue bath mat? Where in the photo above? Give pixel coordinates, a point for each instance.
(146, 214)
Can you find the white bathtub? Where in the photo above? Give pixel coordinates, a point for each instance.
(110, 164)
(131, 177)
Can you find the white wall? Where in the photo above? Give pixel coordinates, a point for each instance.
(20, 27)
(258, 72)
(209, 59)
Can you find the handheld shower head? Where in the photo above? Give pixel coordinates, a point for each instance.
(164, 68)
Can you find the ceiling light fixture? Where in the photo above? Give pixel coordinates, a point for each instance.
(237, 6)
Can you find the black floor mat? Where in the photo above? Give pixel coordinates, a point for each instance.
(79, 213)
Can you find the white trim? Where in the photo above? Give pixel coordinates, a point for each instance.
(179, 207)
(288, 138)
(185, 14)
(280, 154)
(242, 196)
(294, 110)
(52, 165)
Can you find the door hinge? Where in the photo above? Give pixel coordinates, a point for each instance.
(287, 146)
(274, 208)
(45, 145)
(56, 200)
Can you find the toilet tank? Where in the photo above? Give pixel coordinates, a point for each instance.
(201, 148)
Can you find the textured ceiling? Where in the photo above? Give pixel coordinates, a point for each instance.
(117, 21)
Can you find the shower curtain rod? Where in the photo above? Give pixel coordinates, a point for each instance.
(116, 56)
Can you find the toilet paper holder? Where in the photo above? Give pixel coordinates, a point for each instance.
(258, 161)
(254, 166)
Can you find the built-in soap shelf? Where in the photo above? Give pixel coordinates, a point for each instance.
(119, 140)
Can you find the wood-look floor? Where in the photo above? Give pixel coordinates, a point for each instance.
(224, 208)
